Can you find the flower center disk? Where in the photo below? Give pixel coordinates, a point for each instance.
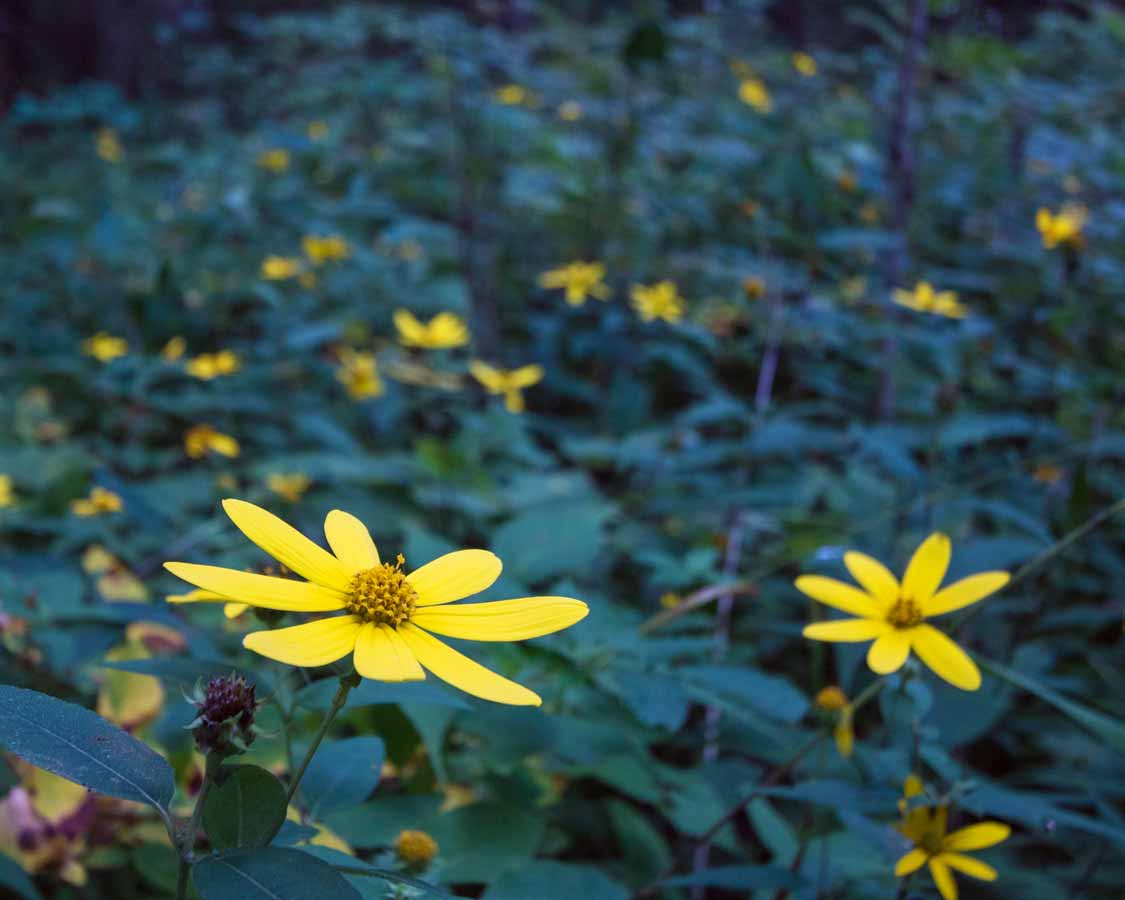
(905, 613)
(382, 595)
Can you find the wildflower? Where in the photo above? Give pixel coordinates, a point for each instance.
(105, 347)
(754, 287)
(846, 181)
(100, 501)
(510, 95)
(893, 615)
(207, 366)
(1063, 228)
(201, 439)
(276, 160)
(442, 331)
(570, 111)
(7, 495)
(415, 848)
(280, 268)
(509, 382)
(925, 827)
(115, 582)
(390, 616)
(753, 92)
(224, 723)
(174, 349)
(292, 486)
(359, 373)
(329, 248)
(925, 299)
(1048, 473)
(804, 64)
(834, 701)
(658, 301)
(670, 600)
(579, 279)
(108, 144)
(317, 130)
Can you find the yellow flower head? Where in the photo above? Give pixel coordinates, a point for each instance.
(831, 699)
(105, 347)
(510, 95)
(329, 248)
(570, 111)
(276, 160)
(389, 615)
(99, 501)
(925, 299)
(415, 848)
(212, 365)
(657, 301)
(804, 64)
(174, 349)
(203, 439)
(317, 130)
(893, 615)
(1063, 228)
(509, 382)
(359, 373)
(579, 279)
(291, 486)
(670, 600)
(108, 144)
(280, 268)
(7, 495)
(1048, 473)
(754, 287)
(443, 331)
(753, 92)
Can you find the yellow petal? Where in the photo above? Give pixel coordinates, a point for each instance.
(876, 578)
(53, 797)
(503, 620)
(889, 651)
(350, 541)
(945, 658)
(943, 878)
(234, 610)
(259, 590)
(485, 374)
(977, 837)
(911, 862)
(460, 671)
(842, 596)
(846, 630)
(926, 568)
(287, 545)
(526, 376)
(969, 866)
(312, 644)
(966, 591)
(382, 655)
(455, 575)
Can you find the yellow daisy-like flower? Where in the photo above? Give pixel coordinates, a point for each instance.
(925, 827)
(414, 847)
(108, 144)
(207, 366)
(579, 279)
(359, 373)
(7, 495)
(203, 439)
(104, 347)
(443, 331)
(893, 615)
(804, 64)
(328, 248)
(390, 616)
(510, 95)
(276, 160)
(657, 301)
(753, 92)
(100, 501)
(925, 299)
(509, 382)
(292, 486)
(281, 268)
(1061, 228)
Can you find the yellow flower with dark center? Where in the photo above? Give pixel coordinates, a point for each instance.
(203, 439)
(804, 64)
(753, 92)
(290, 486)
(174, 349)
(317, 130)
(508, 382)
(415, 848)
(7, 495)
(281, 268)
(570, 111)
(207, 366)
(328, 248)
(108, 145)
(443, 331)
(943, 852)
(276, 160)
(510, 95)
(1063, 228)
(99, 501)
(104, 347)
(657, 301)
(579, 279)
(893, 615)
(390, 616)
(359, 374)
(925, 299)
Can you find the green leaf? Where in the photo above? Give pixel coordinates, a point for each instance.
(350, 865)
(738, 687)
(14, 879)
(342, 774)
(270, 873)
(738, 877)
(81, 746)
(245, 809)
(552, 540)
(556, 881)
(774, 831)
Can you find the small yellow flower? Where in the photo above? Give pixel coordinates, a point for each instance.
(105, 347)
(753, 92)
(7, 494)
(276, 160)
(115, 583)
(415, 848)
(207, 366)
(804, 64)
(893, 615)
(925, 299)
(1063, 228)
(443, 331)
(359, 373)
(329, 248)
(833, 700)
(658, 301)
(317, 130)
(202, 439)
(670, 600)
(754, 287)
(290, 486)
(579, 279)
(99, 501)
(570, 111)
(389, 616)
(1048, 473)
(846, 181)
(174, 349)
(510, 95)
(509, 382)
(279, 268)
(108, 144)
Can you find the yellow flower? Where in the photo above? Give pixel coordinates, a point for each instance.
(117, 583)
(1048, 473)
(658, 301)
(320, 250)
(893, 615)
(846, 181)
(291, 487)
(108, 145)
(833, 700)
(100, 501)
(43, 824)
(279, 268)
(510, 95)
(359, 373)
(207, 366)
(276, 160)
(1061, 228)
(317, 130)
(174, 349)
(442, 331)
(804, 64)
(201, 439)
(7, 495)
(509, 382)
(753, 92)
(754, 287)
(570, 111)
(670, 600)
(579, 279)
(415, 848)
(390, 617)
(925, 827)
(925, 299)
(105, 347)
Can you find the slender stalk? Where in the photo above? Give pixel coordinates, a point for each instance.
(347, 682)
(187, 843)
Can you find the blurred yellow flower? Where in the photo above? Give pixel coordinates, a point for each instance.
(510, 95)
(279, 268)
(415, 848)
(276, 160)
(579, 279)
(359, 373)
(320, 250)
(116, 583)
(99, 501)
(508, 382)
(1049, 473)
(202, 439)
(1063, 228)
(753, 92)
(442, 331)
(804, 64)
(658, 301)
(129, 699)
(207, 366)
(831, 699)
(105, 347)
(846, 181)
(7, 494)
(925, 299)
(570, 111)
(317, 130)
(834, 701)
(893, 615)
(670, 600)
(174, 349)
(754, 287)
(389, 617)
(108, 144)
(291, 486)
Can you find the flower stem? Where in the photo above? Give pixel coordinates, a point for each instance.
(347, 682)
(187, 843)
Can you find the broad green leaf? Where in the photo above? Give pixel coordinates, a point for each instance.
(270, 873)
(245, 809)
(13, 878)
(546, 880)
(738, 878)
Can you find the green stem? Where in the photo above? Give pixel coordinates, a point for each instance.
(347, 682)
(867, 693)
(187, 844)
